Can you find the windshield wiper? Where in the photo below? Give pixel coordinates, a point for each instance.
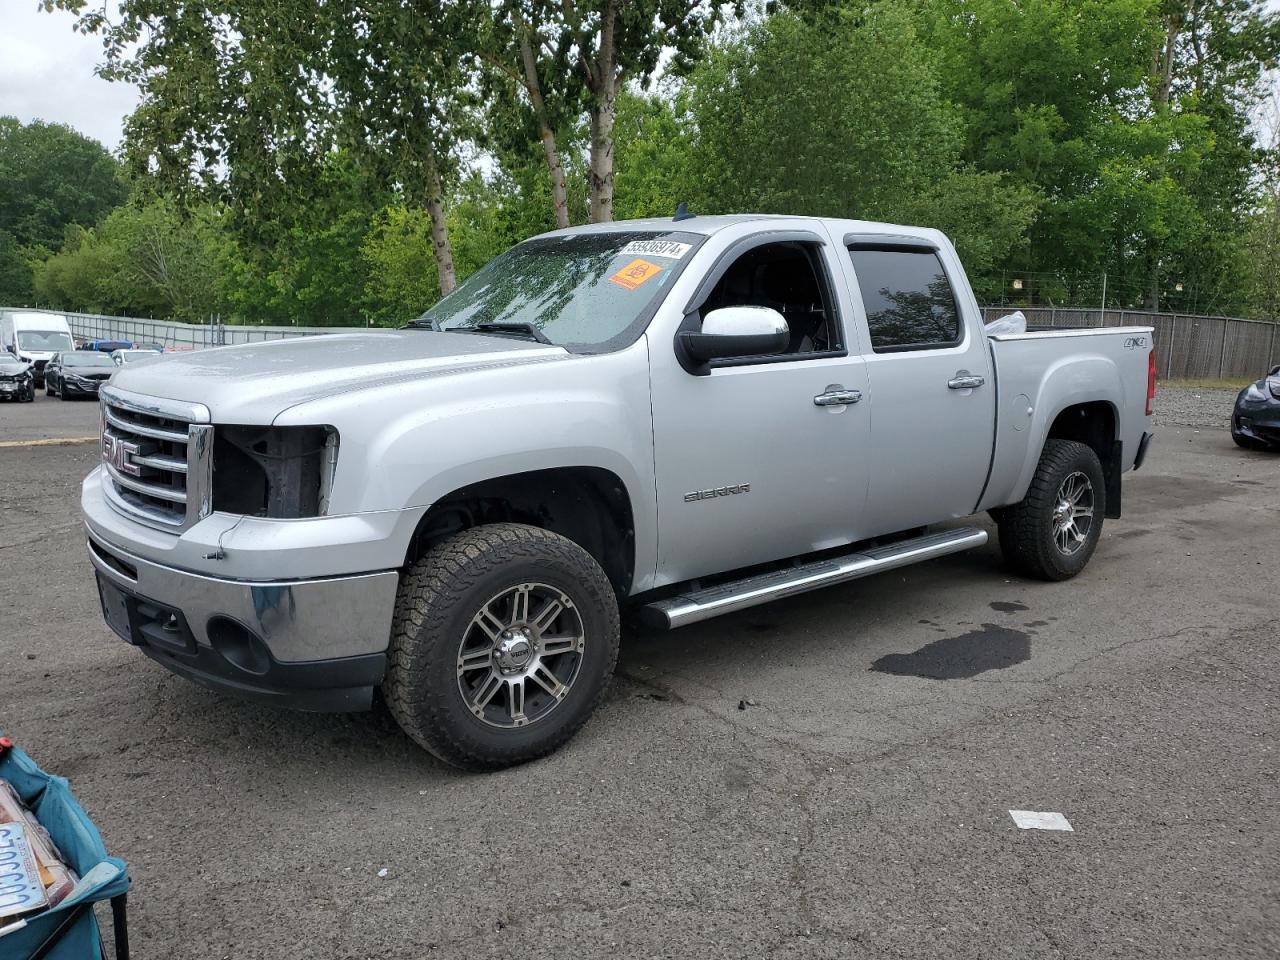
(420, 324)
(508, 327)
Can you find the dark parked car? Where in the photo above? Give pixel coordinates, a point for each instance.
(1255, 423)
(106, 346)
(17, 379)
(77, 373)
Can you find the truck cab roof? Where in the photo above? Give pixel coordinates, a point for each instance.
(709, 225)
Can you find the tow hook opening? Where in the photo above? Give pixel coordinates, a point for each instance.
(238, 645)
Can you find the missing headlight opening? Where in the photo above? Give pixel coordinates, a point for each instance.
(275, 472)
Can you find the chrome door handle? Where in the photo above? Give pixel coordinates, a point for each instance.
(837, 398)
(965, 382)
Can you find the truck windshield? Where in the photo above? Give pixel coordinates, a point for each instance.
(44, 341)
(589, 292)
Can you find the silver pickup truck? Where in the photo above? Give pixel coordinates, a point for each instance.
(684, 418)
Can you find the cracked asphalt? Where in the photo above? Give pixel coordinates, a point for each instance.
(828, 776)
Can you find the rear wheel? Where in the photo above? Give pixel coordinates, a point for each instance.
(504, 639)
(1053, 532)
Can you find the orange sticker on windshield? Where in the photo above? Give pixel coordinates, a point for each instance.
(635, 273)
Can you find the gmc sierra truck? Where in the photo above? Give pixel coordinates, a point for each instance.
(681, 417)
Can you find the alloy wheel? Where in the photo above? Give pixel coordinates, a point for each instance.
(1073, 515)
(520, 655)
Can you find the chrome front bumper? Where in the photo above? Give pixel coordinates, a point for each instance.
(314, 644)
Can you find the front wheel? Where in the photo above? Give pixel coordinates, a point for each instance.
(503, 641)
(1053, 532)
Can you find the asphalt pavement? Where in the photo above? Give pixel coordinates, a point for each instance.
(827, 776)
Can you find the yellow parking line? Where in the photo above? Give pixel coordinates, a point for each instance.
(53, 442)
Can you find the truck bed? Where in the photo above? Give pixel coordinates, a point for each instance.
(1061, 368)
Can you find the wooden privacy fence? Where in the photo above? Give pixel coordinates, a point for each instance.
(1187, 346)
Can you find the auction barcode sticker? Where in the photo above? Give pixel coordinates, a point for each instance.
(657, 248)
(20, 886)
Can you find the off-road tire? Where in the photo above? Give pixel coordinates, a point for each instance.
(438, 597)
(1027, 528)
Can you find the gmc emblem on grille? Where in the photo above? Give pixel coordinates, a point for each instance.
(119, 454)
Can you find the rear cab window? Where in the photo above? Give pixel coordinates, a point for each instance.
(908, 298)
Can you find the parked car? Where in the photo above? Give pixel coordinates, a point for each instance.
(157, 347)
(35, 336)
(686, 418)
(121, 357)
(106, 346)
(17, 379)
(1255, 422)
(77, 373)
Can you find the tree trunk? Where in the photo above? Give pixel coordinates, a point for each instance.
(602, 117)
(440, 245)
(559, 198)
(1164, 79)
(1153, 295)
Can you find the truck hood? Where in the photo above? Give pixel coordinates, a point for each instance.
(254, 383)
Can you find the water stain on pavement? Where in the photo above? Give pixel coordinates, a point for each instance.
(1008, 606)
(990, 647)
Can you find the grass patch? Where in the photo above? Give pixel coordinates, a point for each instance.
(1237, 383)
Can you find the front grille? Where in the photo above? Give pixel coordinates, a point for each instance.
(157, 461)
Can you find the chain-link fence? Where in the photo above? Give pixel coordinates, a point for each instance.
(1187, 346)
(183, 336)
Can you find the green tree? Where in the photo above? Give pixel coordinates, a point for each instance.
(143, 259)
(15, 272)
(654, 165)
(246, 101)
(839, 113)
(52, 176)
(1129, 118)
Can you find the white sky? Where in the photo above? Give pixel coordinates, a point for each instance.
(46, 73)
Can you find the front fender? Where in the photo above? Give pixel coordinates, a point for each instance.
(410, 445)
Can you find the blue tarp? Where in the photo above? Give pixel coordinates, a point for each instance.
(101, 876)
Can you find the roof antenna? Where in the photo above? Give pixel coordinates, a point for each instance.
(682, 212)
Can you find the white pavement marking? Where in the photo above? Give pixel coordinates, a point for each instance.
(54, 442)
(1035, 820)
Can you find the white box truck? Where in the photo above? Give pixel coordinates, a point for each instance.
(35, 336)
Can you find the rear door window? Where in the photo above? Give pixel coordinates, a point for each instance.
(908, 299)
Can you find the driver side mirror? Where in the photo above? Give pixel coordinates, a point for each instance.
(737, 332)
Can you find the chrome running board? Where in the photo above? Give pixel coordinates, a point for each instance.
(695, 605)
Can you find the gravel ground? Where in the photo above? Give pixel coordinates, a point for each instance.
(1194, 407)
